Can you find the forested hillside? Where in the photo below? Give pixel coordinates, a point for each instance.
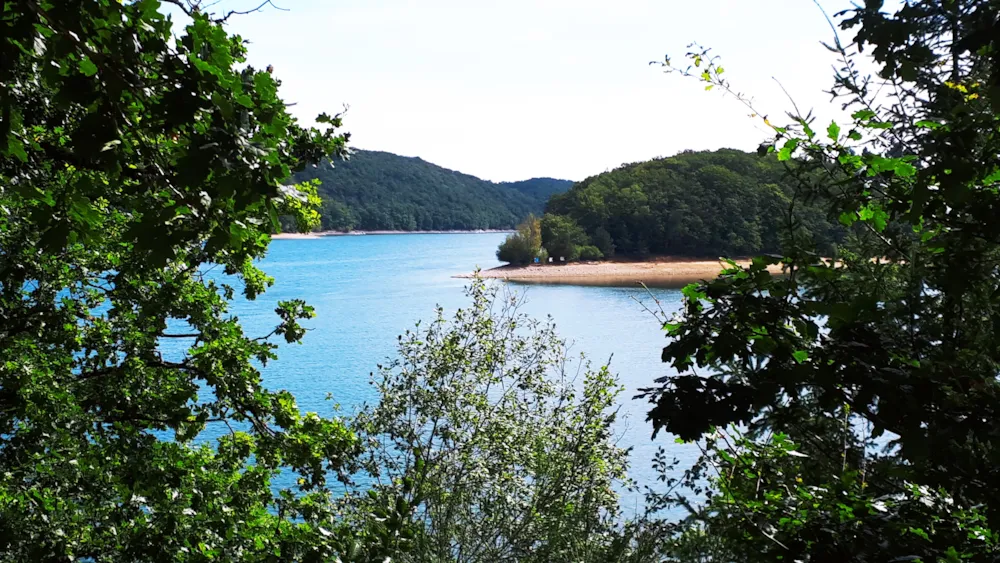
(540, 188)
(725, 202)
(376, 190)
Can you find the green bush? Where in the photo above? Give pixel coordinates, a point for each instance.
(516, 249)
(569, 254)
(790, 380)
(522, 246)
(479, 480)
(603, 240)
(562, 237)
(590, 252)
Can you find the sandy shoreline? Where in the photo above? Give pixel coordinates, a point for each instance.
(658, 273)
(322, 234)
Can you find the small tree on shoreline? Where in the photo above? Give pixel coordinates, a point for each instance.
(524, 245)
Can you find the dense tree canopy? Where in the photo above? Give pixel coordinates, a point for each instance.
(382, 191)
(135, 154)
(540, 189)
(721, 203)
(848, 410)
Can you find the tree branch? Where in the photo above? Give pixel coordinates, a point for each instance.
(257, 9)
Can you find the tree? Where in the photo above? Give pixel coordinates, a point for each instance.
(523, 245)
(132, 161)
(848, 409)
(708, 203)
(603, 241)
(335, 216)
(562, 237)
(481, 425)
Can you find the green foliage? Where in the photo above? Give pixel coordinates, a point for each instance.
(503, 456)
(382, 191)
(300, 205)
(562, 237)
(721, 203)
(136, 155)
(603, 241)
(539, 189)
(335, 216)
(516, 249)
(847, 411)
(523, 245)
(590, 253)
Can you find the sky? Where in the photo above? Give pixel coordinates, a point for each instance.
(514, 89)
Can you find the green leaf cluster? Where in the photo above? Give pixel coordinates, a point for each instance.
(135, 156)
(524, 245)
(846, 410)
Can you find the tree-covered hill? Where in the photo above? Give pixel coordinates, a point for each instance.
(376, 190)
(540, 188)
(724, 202)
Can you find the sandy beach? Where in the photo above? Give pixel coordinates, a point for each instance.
(658, 273)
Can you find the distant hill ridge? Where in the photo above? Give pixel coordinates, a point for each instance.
(376, 190)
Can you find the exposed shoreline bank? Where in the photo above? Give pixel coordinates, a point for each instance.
(323, 234)
(659, 273)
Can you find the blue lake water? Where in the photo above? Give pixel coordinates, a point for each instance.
(368, 289)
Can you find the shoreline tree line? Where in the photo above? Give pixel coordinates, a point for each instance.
(694, 204)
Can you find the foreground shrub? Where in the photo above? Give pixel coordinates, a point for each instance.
(502, 455)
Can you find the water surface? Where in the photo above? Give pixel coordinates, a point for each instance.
(369, 289)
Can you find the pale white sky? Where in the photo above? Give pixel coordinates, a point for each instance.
(513, 89)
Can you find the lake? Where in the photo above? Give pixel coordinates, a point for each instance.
(369, 289)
